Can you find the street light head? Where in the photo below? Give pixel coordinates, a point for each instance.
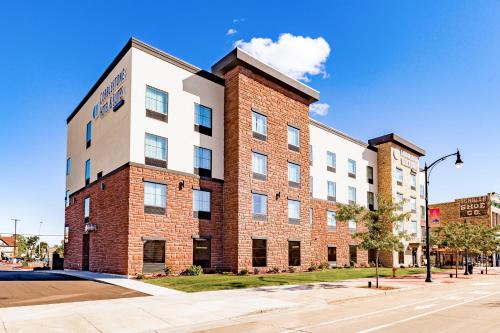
(459, 161)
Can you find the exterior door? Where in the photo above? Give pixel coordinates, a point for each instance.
(85, 252)
(153, 256)
(202, 253)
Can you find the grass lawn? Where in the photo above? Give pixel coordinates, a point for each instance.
(220, 281)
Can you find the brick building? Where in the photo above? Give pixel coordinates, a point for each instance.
(171, 164)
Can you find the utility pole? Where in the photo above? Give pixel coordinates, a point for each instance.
(15, 235)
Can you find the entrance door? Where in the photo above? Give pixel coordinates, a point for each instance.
(202, 253)
(153, 256)
(85, 252)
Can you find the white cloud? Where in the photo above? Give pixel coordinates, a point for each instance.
(319, 109)
(231, 32)
(296, 56)
(236, 20)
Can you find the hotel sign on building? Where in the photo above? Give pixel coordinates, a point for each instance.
(473, 207)
(406, 159)
(112, 97)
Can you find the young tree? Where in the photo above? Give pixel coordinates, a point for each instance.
(451, 237)
(31, 242)
(20, 246)
(488, 241)
(380, 224)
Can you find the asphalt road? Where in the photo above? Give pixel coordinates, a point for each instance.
(19, 288)
(471, 306)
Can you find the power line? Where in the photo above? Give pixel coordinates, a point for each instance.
(8, 233)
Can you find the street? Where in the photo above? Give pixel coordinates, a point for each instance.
(468, 306)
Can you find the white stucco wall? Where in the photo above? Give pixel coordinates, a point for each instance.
(323, 141)
(110, 134)
(184, 90)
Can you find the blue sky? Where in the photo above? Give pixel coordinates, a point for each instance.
(427, 70)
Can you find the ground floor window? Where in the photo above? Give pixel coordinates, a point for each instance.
(202, 252)
(332, 255)
(259, 252)
(353, 254)
(153, 256)
(293, 253)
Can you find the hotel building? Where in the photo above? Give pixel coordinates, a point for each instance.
(169, 164)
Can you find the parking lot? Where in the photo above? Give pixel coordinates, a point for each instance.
(20, 288)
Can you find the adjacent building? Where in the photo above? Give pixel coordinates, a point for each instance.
(6, 246)
(169, 164)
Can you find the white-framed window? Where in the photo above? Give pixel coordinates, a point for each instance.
(351, 168)
(413, 180)
(399, 200)
(259, 163)
(422, 212)
(155, 195)
(399, 176)
(331, 161)
(370, 198)
(259, 204)
(331, 219)
(201, 201)
(422, 191)
(86, 209)
(68, 166)
(293, 136)
(352, 226)
(351, 194)
(413, 204)
(293, 209)
(414, 227)
(369, 174)
(259, 123)
(155, 147)
(331, 190)
(156, 100)
(401, 226)
(293, 173)
(202, 115)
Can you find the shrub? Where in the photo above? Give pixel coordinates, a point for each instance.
(24, 264)
(244, 271)
(312, 267)
(256, 271)
(324, 265)
(274, 270)
(168, 270)
(291, 269)
(139, 276)
(193, 271)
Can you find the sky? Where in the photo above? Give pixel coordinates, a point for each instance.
(426, 70)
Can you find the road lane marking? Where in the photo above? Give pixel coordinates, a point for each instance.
(358, 316)
(427, 306)
(425, 314)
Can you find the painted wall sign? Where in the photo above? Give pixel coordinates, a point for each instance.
(473, 207)
(112, 97)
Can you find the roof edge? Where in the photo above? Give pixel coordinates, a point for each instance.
(342, 134)
(398, 140)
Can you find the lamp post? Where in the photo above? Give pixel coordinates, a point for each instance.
(427, 170)
(15, 235)
(39, 240)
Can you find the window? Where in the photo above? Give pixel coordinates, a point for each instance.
(155, 150)
(310, 155)
(369, 174)
(353, 254)
(414, 228)
(259, 252)
(87, 172)
(351, 168)
(293, 253)
(352, 226)
(351, 194)
(203, 162)
(66, 199)
(89, 134)
(259, 206)
(259, 126)
(371, 201)
(155, 198)
(201, 204)
(311, 216)
(401, 257)
(332, 191)
(399, 176)
(293, 211)
(153, 260)
(413, 179)
(68, 166)
(86, 209)
(293, 138)
(156, 104)
(331, 220)
(413, 205)
(332, 255)
(311, 185)
(66, 234)
(293, 175)
(400, 226)
(202, 119)
(331, 161)
(202, 252)
(259, 166)
(399, 200)
(422, 212)
(422, 191)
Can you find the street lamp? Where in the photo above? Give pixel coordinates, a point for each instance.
(427, 170)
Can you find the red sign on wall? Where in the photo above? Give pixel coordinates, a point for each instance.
(435, 215)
